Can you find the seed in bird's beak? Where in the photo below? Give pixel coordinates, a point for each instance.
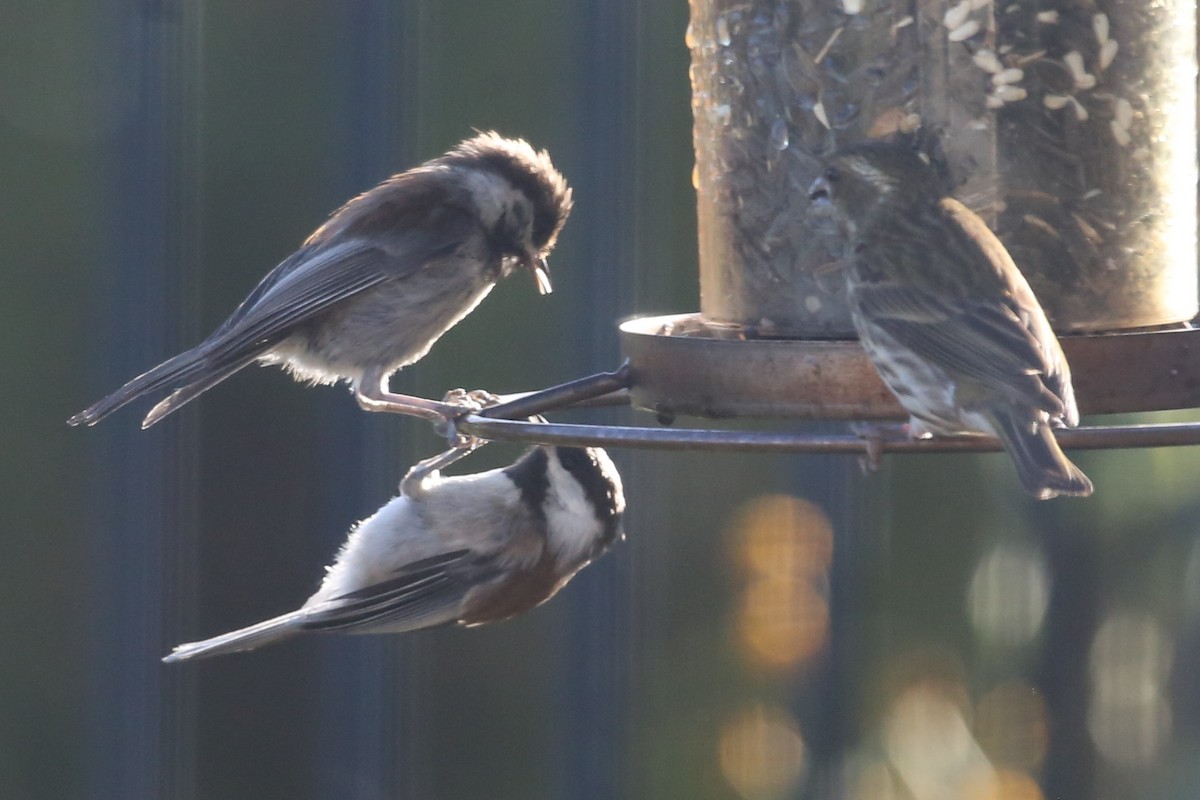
(541, 274)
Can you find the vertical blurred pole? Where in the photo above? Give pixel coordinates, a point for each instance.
(598, 635)
(1072, 617)
(363, 707)
(143, 483)
(826, 698)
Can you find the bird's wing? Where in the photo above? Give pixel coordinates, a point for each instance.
(317, 279)
(982, 340)
(367, 242)
(423, 594)
(313, 270)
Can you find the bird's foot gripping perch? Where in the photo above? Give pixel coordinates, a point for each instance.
(461, 444)
(414, 481)
(875, 435)
(473, 401)
(373, 394)
(465, 403)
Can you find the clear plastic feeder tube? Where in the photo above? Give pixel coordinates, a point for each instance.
(1068, 126)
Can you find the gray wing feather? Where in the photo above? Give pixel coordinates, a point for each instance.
(288, 278)
(987, 342)
(323, 280)
(387, 234)
(427, 593)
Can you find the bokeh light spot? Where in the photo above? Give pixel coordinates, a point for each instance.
(784, 536)
(1011, 725)
(1006, 785)
(1008, 594)
(1130, 661)
(761, 752)
(786, 546)
(876, 782)
(929, 744)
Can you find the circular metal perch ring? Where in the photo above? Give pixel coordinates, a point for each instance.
(682, 365)
(1085, 438)
(508, 422)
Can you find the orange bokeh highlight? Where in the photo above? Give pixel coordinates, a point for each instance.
(785, 545)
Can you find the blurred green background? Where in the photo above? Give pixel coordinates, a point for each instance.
(774, 627)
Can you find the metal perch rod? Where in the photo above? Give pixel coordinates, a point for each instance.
(1086, 438)
(506, 422)
(604, 388)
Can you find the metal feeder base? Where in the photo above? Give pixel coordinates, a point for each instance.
(682, 365)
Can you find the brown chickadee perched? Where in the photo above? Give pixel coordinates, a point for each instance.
(949, 321)
(375, 286)
(467, 550)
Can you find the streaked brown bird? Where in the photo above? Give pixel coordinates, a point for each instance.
(945, 315)
(380, 282)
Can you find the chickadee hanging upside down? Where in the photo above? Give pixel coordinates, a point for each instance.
(375, 286)
(949, 321)
(469, 549)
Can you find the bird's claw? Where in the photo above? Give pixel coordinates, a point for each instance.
(874, 435)
(462, 403)
(461, 445)
(474, 401)
(465, 442)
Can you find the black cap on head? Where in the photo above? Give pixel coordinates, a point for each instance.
(532, 172)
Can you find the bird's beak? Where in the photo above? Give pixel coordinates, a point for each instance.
(541, 273)
(819, 191)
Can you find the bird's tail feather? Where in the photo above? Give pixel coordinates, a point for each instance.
(182, 367)
(267, 632)
(194, 368)
(185, 394)
(1044, 470)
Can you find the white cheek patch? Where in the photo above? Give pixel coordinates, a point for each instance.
(493, 194)
(609, 470)
(570, 517)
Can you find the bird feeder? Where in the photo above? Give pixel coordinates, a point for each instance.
(1069, 129)
(1072, 133)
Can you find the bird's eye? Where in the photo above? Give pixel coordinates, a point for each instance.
(833, 175)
